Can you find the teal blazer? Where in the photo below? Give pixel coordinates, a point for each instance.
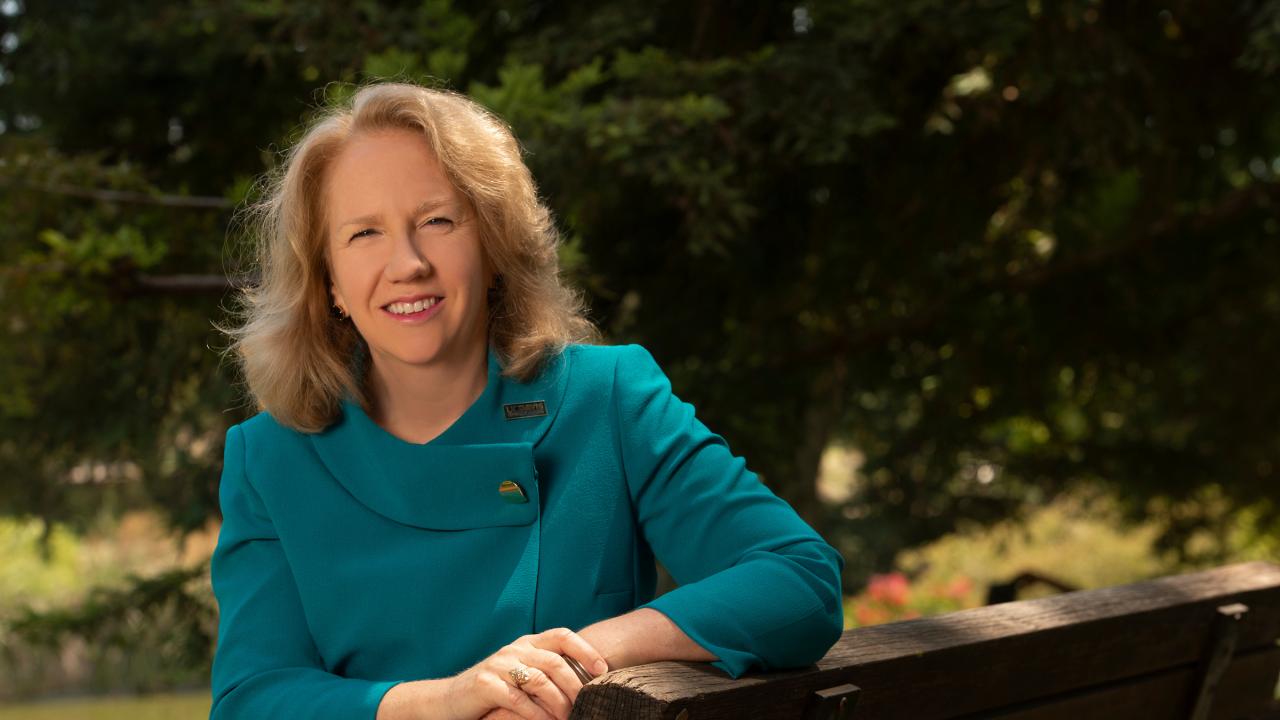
(350, 560)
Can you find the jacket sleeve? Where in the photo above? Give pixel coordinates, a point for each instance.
(266, 664)
(758, 587)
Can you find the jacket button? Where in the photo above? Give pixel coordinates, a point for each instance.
(511, 491)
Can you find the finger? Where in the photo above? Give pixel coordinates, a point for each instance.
(501, 696)
(554, 665)
(568, 642)
(526, 708)
(543, 689)
(516, 699)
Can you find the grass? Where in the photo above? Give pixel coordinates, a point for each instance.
(168, 706)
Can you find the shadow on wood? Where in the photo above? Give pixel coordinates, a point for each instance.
(1202, 643)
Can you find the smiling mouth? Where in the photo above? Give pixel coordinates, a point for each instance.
(402, 308)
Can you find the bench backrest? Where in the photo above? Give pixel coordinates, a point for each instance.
(1201, 645)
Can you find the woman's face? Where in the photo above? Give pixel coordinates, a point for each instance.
(404, 251)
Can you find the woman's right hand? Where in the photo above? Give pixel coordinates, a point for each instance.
(550, 691)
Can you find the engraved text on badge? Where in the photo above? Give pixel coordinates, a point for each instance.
(516, 411)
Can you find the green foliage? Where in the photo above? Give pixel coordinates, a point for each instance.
(1003, 248)
(154, 634)
(108, 611)
(1079, 539)
(39, 571)
(95, 253)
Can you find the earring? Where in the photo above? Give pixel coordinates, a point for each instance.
(338, 312)
(496, 290)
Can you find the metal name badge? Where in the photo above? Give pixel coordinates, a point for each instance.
(517, 411)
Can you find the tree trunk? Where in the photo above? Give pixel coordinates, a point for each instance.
(821, 413)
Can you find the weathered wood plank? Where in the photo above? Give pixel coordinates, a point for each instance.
(1246, 691)
(644, 693)
(977, 660)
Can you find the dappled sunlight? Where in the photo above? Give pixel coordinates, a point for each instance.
(1078, 539)
(137, 544)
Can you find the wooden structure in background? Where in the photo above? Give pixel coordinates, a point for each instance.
(1200, 646)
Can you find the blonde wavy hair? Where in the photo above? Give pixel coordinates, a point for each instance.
(296, 358)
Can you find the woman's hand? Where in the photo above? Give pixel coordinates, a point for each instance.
(550, 691)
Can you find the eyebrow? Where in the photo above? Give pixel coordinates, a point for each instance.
(423, 207)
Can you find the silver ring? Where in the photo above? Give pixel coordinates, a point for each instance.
(578, 670)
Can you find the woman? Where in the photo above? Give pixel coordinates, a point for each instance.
(451, 503)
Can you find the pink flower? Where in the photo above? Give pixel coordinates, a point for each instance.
(959, 588)
(890, 588)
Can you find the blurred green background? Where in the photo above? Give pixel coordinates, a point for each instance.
(979, 286)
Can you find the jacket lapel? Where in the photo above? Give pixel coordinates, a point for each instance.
(504, 413)
(461, 479)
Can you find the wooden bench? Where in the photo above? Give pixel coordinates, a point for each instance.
(1200, 646)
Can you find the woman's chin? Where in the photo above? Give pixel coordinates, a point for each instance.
(418, 357)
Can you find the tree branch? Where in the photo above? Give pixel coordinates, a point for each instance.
(202, 202)
(185, 284)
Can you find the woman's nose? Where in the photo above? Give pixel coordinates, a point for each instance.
(407, 260)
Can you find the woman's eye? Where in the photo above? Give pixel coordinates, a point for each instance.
(363, 233)
(437, 222)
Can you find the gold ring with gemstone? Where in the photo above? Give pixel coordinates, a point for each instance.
(519, 675)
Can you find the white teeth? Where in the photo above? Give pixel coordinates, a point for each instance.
(406, 308)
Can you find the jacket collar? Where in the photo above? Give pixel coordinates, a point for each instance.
(452, 482)
(486, 420)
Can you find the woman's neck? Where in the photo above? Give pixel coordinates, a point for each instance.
(417, 403)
